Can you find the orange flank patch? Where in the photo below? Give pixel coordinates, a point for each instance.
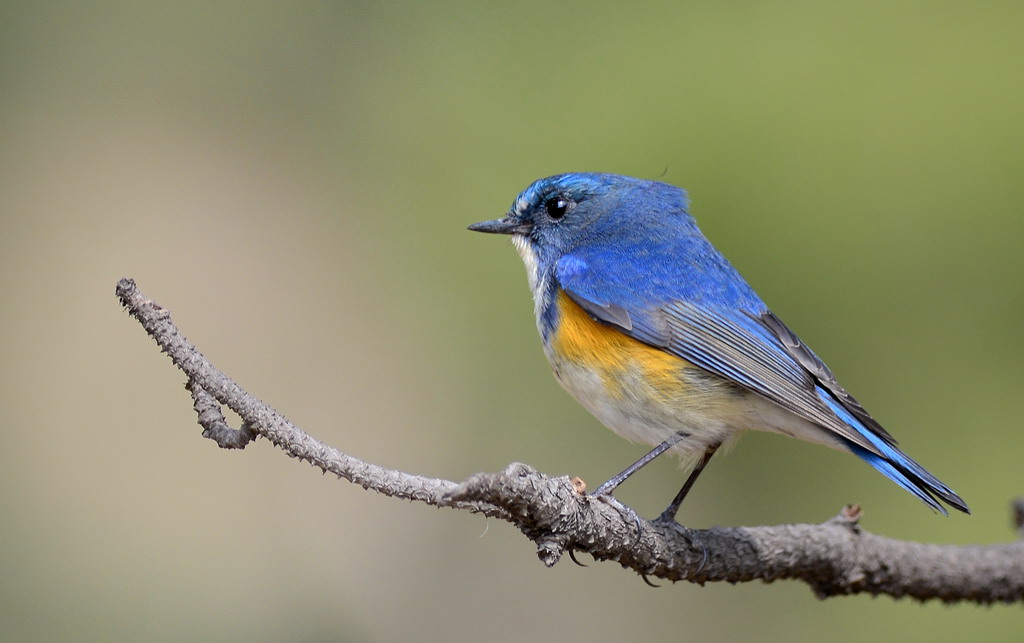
(613, 354)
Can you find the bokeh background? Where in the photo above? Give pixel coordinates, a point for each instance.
(293, 181)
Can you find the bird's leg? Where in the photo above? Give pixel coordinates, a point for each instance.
(616, 480)
(669, 515)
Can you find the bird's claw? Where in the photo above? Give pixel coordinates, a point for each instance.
(627, 512)
(670, 522)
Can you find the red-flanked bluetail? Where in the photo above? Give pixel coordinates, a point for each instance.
(649, 327)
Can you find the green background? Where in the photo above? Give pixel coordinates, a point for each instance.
(293, 181)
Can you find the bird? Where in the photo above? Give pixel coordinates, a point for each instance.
(648, 326)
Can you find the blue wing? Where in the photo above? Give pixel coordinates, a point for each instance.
(686, 299)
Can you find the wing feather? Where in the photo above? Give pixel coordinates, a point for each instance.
(755, 351)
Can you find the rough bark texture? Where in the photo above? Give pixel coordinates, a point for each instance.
(834, 558)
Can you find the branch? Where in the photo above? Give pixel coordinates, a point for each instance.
(834, 558)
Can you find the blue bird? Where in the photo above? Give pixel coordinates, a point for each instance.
(652, 330)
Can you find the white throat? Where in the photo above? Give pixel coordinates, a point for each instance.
(537, 281)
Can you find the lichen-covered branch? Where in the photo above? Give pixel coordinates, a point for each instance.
(834, 558)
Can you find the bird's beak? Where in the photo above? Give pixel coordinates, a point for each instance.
(501, 226)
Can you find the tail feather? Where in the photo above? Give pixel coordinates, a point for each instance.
(908, 474)
(898, 466)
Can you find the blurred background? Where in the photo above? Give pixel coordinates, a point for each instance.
(293, 181)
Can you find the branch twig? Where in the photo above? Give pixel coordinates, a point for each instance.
(834, 558)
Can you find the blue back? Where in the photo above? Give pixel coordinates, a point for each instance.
(629, 253)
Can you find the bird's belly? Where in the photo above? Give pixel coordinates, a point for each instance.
(645, 394)
(642, 409)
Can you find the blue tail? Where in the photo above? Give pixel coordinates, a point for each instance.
(900, 468)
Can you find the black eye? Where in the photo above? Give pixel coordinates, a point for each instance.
(556, 208)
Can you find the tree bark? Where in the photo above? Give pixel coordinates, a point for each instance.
(834, 558)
